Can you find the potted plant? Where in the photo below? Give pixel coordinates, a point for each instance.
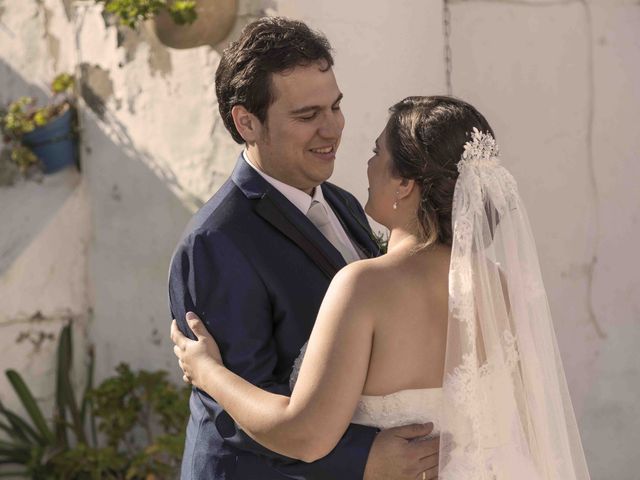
(132, 12)
(215, 19)
(129, 427)
(44, 136)
(178, 23)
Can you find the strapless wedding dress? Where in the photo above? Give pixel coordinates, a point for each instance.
(404, 407)
(424, 405)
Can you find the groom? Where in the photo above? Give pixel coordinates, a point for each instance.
(256, 260)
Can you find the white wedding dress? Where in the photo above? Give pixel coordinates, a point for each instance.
(405, 407)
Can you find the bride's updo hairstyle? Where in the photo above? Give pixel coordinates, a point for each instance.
(426, 137)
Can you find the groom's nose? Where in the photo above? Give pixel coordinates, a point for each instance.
(332, 125)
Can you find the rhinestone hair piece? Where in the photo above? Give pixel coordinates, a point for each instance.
(480, 150)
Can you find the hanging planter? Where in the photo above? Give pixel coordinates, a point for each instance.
(178, 23)
(42, 137)
(131, 12)
(54, 143)
(215, 19)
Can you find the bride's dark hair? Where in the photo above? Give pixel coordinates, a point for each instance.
(426, 137)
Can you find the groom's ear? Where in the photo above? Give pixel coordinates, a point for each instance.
(247, 124)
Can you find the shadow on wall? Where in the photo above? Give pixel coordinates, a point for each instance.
(13, 85)
(136, 222)
(96, 88)
(27, 206)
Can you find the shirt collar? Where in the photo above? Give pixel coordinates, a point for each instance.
(300, 199)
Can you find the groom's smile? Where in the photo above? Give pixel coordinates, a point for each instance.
(298, 141)
(325, 153)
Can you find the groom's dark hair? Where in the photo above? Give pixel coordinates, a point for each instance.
(268, 45)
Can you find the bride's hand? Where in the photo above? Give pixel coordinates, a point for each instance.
(194, 355)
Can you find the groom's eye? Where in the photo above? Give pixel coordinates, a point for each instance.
(308, 117)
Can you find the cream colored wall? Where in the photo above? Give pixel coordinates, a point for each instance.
(558, 81)
(44, 227)
(560, 84)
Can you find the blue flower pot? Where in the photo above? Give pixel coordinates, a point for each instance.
(54, 143)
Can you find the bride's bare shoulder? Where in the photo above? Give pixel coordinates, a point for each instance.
(369, 270)
(361, 274)
(354, 291)
(367, 280)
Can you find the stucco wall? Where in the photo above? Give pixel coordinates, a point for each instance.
(558, 81)
(44, 227)
(560, 85)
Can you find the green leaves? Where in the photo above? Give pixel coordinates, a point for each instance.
(18, 429)
(23, 116)
(44, 436)
(132, 12)
(18, 117)
(62, 83)
(26, 446)
(141, 414)
(65, 397)
(183, 11)
(139, 405)
(34, 443)
(23, 157)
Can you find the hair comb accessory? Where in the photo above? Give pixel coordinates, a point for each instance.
(482, 149)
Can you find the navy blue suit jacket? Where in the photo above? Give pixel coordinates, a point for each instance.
(255, 269)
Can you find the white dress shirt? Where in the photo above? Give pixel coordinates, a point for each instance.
(302, 202)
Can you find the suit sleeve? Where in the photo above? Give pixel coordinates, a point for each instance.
(211, 277)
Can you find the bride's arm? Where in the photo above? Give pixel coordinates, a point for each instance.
(308, 425)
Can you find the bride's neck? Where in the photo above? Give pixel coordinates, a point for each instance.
(402, 238)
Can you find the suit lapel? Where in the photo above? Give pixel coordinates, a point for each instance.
(350, 217)
(274, 207)
(268, 209)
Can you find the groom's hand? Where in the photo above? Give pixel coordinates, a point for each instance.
(400, 453)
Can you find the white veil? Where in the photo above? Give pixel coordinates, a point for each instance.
(506, 410)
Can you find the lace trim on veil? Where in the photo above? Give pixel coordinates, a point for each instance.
(506, 409)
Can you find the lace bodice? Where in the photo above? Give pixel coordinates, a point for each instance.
(400, 408)
(404, 407)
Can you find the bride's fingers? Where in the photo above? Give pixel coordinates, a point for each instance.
(186, 379)
(428, 474)
(177, 351)
(196, 326)
(428, 463)
(176, 335)
(427, 447)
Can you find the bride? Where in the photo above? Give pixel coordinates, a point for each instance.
(451, 326)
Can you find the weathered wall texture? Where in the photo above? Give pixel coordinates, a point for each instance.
(94, 247)
(154, 151)
(44, 228)
(558, 80)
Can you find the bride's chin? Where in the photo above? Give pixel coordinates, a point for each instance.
(367, 209)
(373, 215)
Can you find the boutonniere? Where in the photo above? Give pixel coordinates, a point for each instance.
(382, 240)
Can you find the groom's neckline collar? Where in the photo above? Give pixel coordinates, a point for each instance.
(297, 197)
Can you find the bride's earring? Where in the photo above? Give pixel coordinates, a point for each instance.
(395, 204)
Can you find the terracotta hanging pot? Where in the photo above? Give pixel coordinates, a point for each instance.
(214, 22)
